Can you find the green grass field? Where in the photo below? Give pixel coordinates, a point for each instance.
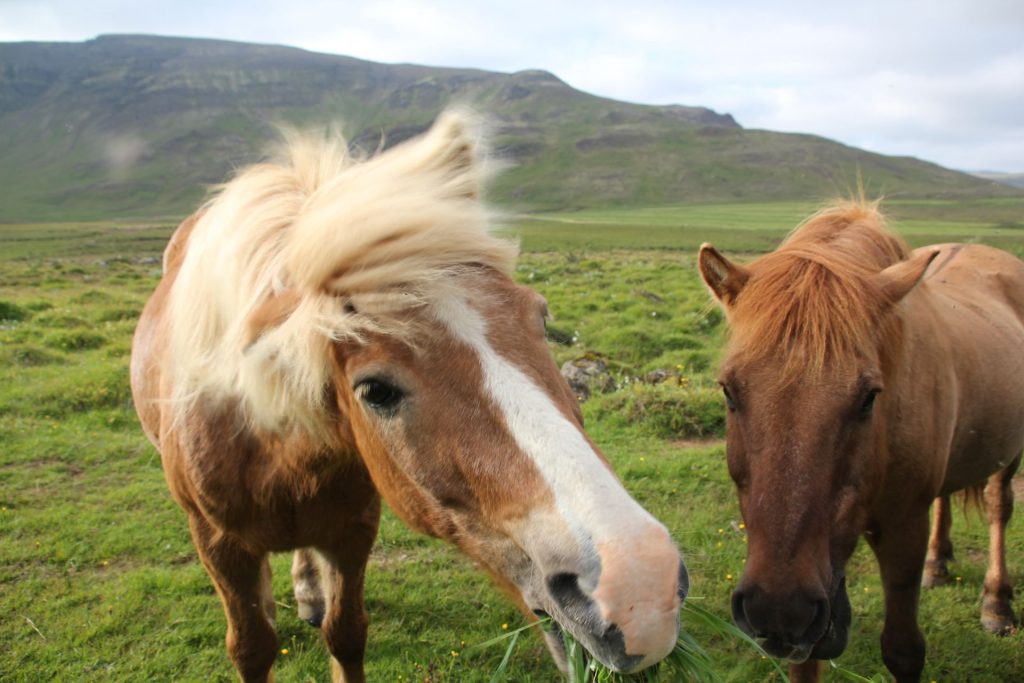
(98, 579)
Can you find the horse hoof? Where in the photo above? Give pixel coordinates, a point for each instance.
(311, 614)
(999, 623)
(935, 574)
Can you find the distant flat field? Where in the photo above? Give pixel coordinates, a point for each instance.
(746, 227)
(759, 227)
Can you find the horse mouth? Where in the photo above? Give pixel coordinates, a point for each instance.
(607, 647)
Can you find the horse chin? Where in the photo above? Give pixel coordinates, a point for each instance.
(795, 654)
(833, 643)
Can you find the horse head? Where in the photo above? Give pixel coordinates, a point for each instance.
(813, 337)
(390, 326)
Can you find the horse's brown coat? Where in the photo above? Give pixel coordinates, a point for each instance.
(843, 312)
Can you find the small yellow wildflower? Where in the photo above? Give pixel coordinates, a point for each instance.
(721, 531)
(504, 627)
(728, 577)
(284, 650)
(454, 653)
(742, 526)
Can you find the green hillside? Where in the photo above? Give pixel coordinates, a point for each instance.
(140, 125)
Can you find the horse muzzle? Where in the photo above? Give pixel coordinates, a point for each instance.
(796, 626)
(626, 645)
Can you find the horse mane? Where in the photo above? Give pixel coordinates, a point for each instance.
(348, 243)
(813, 301)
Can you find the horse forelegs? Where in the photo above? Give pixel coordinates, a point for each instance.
(900, 549)
(940, 547)
(345, 622)
(806, 672)
(242, 581)
(309, 594)
(996, 611)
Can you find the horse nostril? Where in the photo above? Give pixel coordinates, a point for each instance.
(565, 589)
(739, 613)
(819, 624)
(563, 585)
(684, 582)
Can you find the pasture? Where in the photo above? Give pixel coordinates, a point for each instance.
(98, 579)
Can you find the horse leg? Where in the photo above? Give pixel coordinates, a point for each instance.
(242, 580)
(996, 613)
(806, 672)
(940, 547)
(900, 549)
(345, 622)
(309, 595)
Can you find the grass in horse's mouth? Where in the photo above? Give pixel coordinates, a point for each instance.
(688, 661)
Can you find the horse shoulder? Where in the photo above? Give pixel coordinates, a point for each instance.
(149, 341)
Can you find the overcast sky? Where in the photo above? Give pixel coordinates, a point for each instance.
(941, 80)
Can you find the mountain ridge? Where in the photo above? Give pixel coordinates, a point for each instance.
(136, 125)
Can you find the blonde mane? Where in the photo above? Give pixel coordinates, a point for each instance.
(351, 243)
(813, 301)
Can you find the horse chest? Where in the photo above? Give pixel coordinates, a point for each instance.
(276, 504)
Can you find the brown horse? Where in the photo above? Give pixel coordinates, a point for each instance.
(861, 382)
(328, 331)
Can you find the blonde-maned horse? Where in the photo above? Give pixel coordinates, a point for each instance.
(862, 381)
(330, 331)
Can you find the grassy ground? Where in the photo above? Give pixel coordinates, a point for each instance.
(98, 580)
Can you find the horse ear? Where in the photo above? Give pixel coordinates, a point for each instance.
(271, 313)
(452, 148)
(724, 278)
(897, 280)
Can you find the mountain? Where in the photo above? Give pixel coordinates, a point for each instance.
(139, 126)
(1011, 179)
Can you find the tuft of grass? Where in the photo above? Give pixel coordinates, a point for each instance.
(12, 312)
(74, 340)
(677, 409)
(30, 356)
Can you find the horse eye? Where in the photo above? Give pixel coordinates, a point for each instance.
(729, 402)
(869, 403)
(379, 395)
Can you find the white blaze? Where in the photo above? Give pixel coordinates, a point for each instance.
(589, 498)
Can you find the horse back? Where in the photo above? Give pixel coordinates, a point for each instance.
(974, 297)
